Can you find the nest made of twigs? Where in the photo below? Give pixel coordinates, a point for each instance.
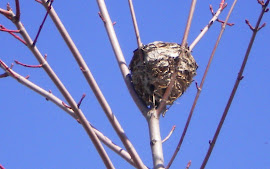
(152, 67)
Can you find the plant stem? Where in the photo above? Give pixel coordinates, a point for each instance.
(206, 28)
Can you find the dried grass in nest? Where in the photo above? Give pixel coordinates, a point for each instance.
(152, 68)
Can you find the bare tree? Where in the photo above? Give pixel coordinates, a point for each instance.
(158, 74)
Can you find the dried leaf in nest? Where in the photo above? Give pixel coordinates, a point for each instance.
(152, 68)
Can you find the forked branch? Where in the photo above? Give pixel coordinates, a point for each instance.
(12, 32)
(78, 105)
(119, 56)
(207, 27)
(2, 28)
(18, 10)
(7, 13)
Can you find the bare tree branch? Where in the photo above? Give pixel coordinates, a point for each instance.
(26, 65)
(42, 24)
(18, 10)
(80, 102)
(3, 75)
(150, 112)
(162, 106)
(6, 13)
(91, 81)
(169, 135)
(49, 96)
(238, 79)
(63, 90)
(119, 56)
(199, 88)
(12, 32)
(135, 25)
(124, 70)
(2, 28)
(207, 27)
(153, 118)
(190, 16)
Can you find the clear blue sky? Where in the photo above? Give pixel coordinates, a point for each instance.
(37, 134)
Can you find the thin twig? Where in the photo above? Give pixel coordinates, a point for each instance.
(229, 24)
(250, 26)
(12, 32)
(44, 19)
(190, 16)
(18, 10)
(26, 65)
(8, 30)
(80, 102)
(199, 89)
(3, 75)
(7, 69)
(222, 5)
(67, 106)
(17, 37)
(135, 25)
(189, 164)
(207, 27)
(238, 79)
(169, 135)
(31, 66)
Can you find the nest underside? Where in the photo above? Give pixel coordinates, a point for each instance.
(153, 66)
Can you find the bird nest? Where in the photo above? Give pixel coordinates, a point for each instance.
(152, 68)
